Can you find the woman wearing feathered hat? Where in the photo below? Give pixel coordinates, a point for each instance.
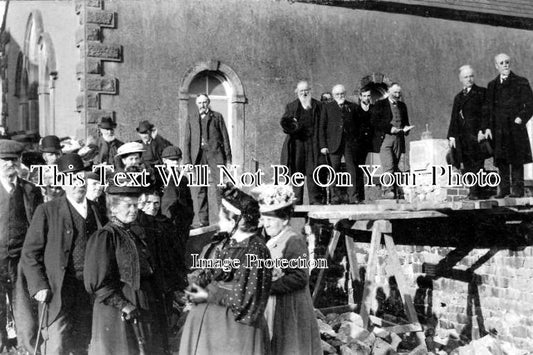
(228, 315)
(290, 313)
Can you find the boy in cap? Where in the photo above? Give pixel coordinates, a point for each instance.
(153, 143)
(176, 202)
(18, 201)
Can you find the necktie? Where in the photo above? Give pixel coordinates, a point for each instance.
(502, 79)
(465, 91)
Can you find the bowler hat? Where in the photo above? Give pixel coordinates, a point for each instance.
(10, 149)
(50, 144)
(171, 152)
(129, 148)
(70, 163)
(107, 122)
(144, 126)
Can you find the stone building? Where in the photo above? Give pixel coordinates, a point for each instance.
(67, 63)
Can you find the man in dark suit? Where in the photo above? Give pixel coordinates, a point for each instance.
(153, 143)
(53, 256)
(510, 106)
(107, 143)
(300, 151)
(389, 117)
(465, 131)
(336, 138)
(206, 143)
(18, 201)
(361, 143)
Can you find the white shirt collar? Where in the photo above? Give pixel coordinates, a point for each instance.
(6, 183)
(365, 107)
(81, 207)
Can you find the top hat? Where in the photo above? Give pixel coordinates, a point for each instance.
(144, 126)
(171, 152)
(10, 149)
(274, 197)
(107, 122)
(50, 144)
(70, 163)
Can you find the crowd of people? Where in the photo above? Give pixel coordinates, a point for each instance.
(99, 268)
(484, 123)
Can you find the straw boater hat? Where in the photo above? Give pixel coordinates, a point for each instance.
(130, 148)
(273, 197)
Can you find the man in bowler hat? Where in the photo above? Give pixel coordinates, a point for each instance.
(107, 143)
(18, 201)
(53, 258)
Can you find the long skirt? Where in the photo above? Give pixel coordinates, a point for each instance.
(212, 329)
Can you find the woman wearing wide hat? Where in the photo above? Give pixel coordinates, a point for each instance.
(228, 312)
(290, 314)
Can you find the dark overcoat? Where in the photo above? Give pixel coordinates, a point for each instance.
(381, 123)
(47, 250)
(218, 145)
(334, 125)
(505, 102)
(292, 128)
(466, 121)
(154, 150)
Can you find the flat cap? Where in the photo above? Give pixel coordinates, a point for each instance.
(172, 152)
(10, 149)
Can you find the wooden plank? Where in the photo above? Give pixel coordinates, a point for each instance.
(404, 328)
(203, 230)
(329, 252)
(371, 271)
(375, 215)
(396, 270)
(352, 258)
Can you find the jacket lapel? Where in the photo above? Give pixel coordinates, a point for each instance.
(64, 212)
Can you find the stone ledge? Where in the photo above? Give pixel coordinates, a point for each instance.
(109, 52)
(89, 3)
(99, 17)
(101, 84)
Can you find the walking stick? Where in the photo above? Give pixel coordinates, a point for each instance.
(139, 334)
(41, 320)
(328, 188)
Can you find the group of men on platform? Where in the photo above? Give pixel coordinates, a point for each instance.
(484, 122)
(325, 132)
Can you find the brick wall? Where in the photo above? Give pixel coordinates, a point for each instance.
(505, 291)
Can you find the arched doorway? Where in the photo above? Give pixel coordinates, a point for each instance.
(226, 91)
(219, 90)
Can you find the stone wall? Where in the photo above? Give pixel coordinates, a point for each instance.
(505, 292)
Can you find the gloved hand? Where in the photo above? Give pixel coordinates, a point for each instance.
(130, 312)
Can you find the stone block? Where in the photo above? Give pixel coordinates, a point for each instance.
(427, 152)
(109, 52)
(88, 3)
(94, 66)
(103, 84)
(91, 99)
(99, 17)
(94, 33)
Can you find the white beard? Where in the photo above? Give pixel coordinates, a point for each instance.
(306, 102)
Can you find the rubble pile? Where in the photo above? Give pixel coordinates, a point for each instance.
(345, 334)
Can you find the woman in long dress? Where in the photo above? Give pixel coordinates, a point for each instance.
(119, 272)
(290, 312)
(228, 315)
